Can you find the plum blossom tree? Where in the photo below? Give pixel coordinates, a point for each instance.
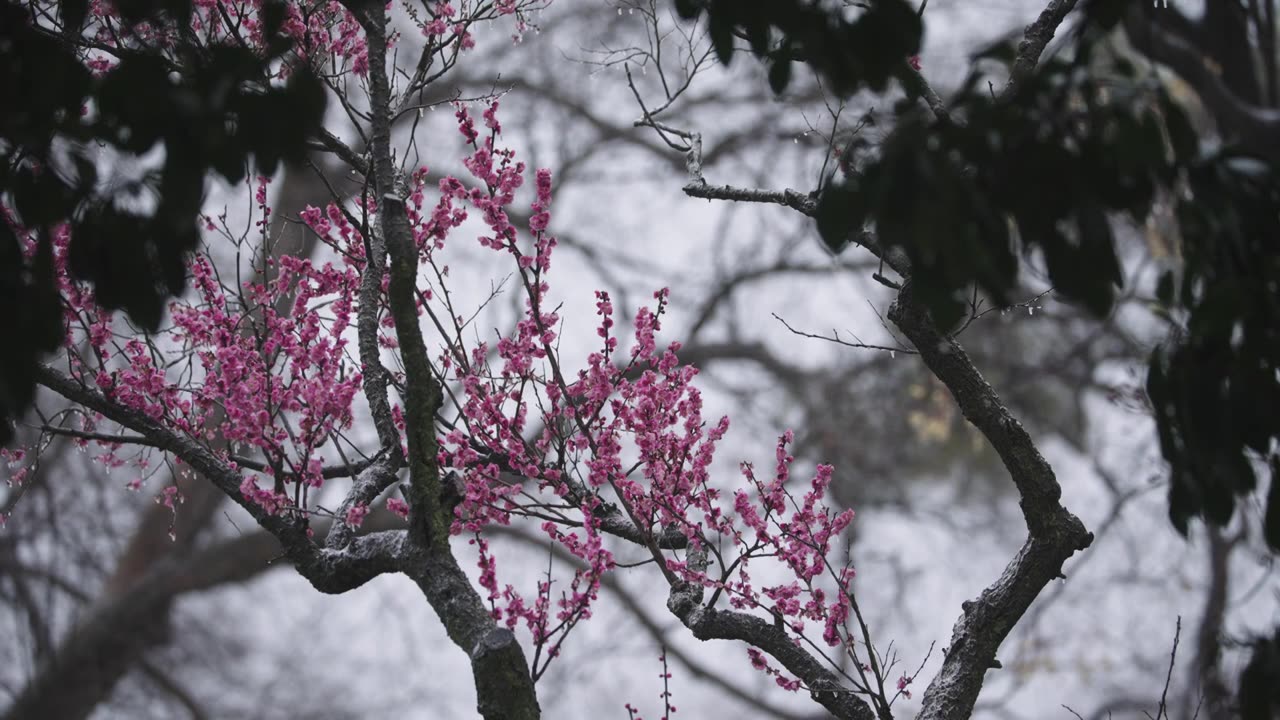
(255, 384)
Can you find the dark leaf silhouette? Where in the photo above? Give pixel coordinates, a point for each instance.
(135, 260)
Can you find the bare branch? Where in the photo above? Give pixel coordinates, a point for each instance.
(1055, 534)
(1034, 39)
(835, 338)
(1162, 710)
(328, 570)
(709, 623)
(504, 687)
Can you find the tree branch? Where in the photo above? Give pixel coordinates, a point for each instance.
(504, 688)
(707, 623)
(1055, 534)
(329, 571)
(1034, 40)
(824, 686)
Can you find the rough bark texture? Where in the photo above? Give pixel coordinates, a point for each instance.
(504, 688)
(1054, 533)
(825, 686)
(503, 684)
(709, 623)
(1035, 38)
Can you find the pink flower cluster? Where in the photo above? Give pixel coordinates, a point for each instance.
(15, 459)
(903, 682)
(399, 507)
(625, 429)
(761, 663)
(291, 367)
(620, 434)
(264, 362)
(355, 516)
(323, 31)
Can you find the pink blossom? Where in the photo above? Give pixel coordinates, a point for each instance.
(903, 682)
(356, 514)
(536, 432)
(399, 507)
(170, 497)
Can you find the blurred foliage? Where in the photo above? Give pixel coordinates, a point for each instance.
(1260, 681)
(209, 107)
(1042, 171)
(848, 54)
(909, 429)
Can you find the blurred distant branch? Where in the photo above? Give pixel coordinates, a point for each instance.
(1254, 127)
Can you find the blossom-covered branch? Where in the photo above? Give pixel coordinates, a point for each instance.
(586, 450)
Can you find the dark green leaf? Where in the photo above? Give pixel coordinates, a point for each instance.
(688, 9)
(1260, 680)
(45, 307)
(1271, 522)
(721, 30)
(1164, 288)
(1182, 136)
(837, 216)
(779, 76)
(73, 14)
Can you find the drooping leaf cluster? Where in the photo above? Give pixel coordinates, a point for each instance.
(1215, 388)
(63, 133)
(849, 54)
(1260, 681)
(1043, 171)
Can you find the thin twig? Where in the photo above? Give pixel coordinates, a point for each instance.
(1162, 711)
(835, 338)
